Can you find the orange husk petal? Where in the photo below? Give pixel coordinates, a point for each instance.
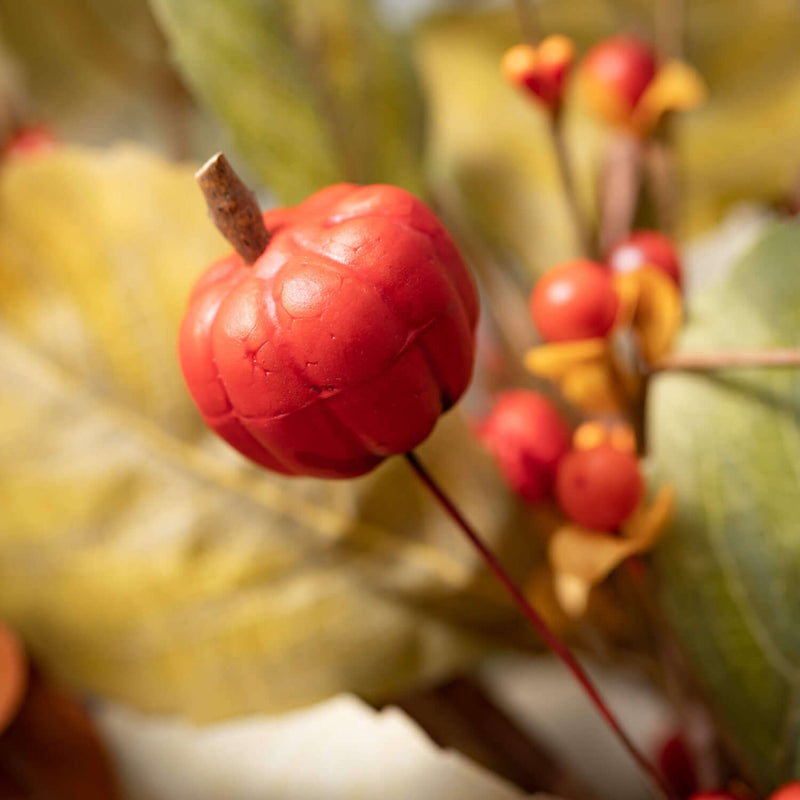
(594, 388)
(676, 87)
(589, 435)
(603, 102)
(556, 50)
(519, 63)
(572, 593)
(647, 524)
(582, 558)
(658, 310)
(557, 359)
(622, 438)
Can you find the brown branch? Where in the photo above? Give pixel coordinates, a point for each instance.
(670, 21)
(526, 15)
(727, 359)
(233, 208)
(580, 224)
(620, 186)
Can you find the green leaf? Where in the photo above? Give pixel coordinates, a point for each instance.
(140, 557)
(730, 563)
(313, 92)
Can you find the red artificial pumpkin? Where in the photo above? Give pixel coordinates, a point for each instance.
(344, 341)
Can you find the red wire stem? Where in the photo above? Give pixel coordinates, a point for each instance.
(556, 645)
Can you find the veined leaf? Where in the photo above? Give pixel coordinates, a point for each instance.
(313, 92)
(730, 563)
(139, 556)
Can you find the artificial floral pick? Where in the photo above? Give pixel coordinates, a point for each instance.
(335, 337)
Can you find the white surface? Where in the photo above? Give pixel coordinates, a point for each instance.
(339, 750)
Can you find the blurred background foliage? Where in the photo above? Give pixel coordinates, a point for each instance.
(142, 560)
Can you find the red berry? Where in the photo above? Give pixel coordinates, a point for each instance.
(676, 765)
(13, 675)
(527, 436)
(599, 488)
(575, 300)
(30, 140)
(790, 791)
(620, 67)
(646, 248)
(345, 340)
(541, 70)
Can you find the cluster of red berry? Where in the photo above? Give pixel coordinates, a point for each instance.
(594, 475)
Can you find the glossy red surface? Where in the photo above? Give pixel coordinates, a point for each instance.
(527, 436)
(789, 791)
(599, 488)
(343, 343)
(646, 247)
(621, 65)
(575, 300)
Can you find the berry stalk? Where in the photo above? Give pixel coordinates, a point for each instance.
(727, 359)
(579, 221)
(528, 23)
(556, 645)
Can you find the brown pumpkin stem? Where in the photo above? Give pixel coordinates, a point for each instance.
(727, 359)
(233, 208)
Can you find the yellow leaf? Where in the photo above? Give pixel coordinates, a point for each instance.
(142, 558)
(676, 87)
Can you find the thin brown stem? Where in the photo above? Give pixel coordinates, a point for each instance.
(528, 23)
(670, 18)
(233, 208)
(662, 176)
(662, 173)
(728, 359)
(619, 189)
(556, 645)
(579, 221)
